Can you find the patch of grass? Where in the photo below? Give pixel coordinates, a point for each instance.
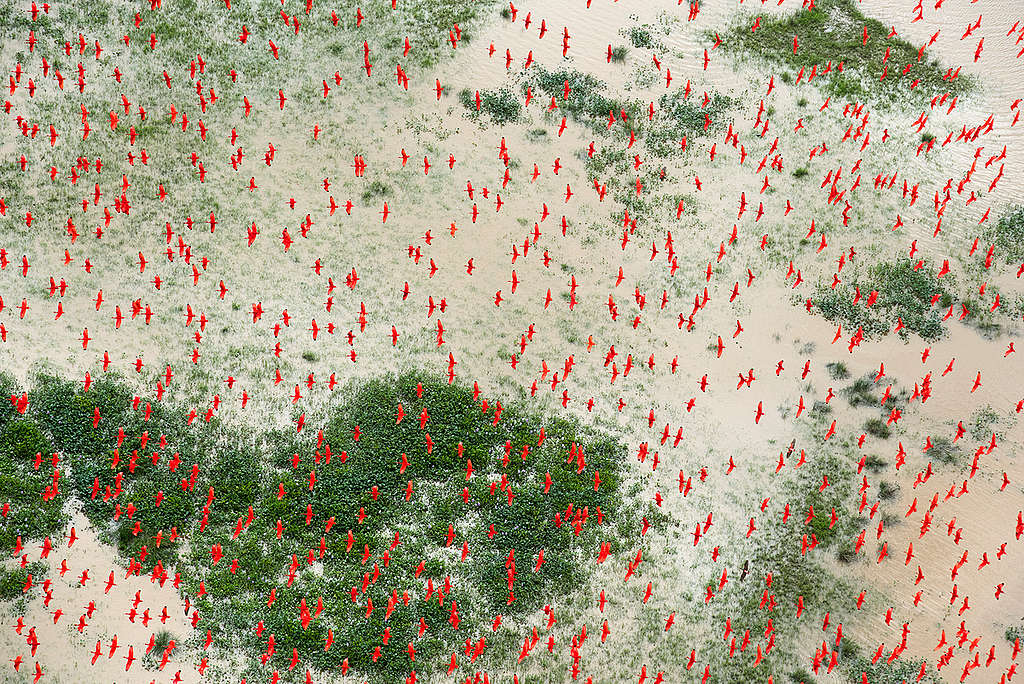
(801, 676)
(500, 104)
(837, 370)
(801, 172)
(309, 356)
(688, 117)
(876, 427)
(860, 394)
(374, 189)
(983, 422)
(619, 53)
(832, 32)
(586, 101)
(944, 451)
(887, 491)
(640, 37)
(904, 293)
(1008, 235)
(875, 463)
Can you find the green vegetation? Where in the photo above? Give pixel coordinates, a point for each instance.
(500, 104)
(1008, 235)
(859, 393)
(619, 53)
(837, 370)
(875, 463)
(640, 37)
(887, 490)
(586, 101)
(27, 477)
(833, 32)
(374, 190)
(944, 451)
(687, 118)
(801, 172)
(876, 427)
(365, 510)
(904, 293)
(778, 548)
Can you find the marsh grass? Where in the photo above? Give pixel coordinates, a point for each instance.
(832, 32)
(586, 101)
(837, 370)
(904, 293)
(500, 104)
(287, 480)
(1008, 234)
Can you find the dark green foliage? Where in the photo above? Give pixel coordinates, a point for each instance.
(1008, 235)
(26, 484)
(640, 37)
(859, 393)
(904, 293)
(500, 104)
(586, 101)
(687, 118)
(619, 53)
(944, 451)
(801, 172)
(832, 32)
(876, 427)
(8, 388)
(301, 481)
(837, 370)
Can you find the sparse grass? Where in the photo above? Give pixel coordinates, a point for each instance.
(860, 393)
(837, 370)
(619, 53)
(801, 172)
(876, 427)
(887, 491)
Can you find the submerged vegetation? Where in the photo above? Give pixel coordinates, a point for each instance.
(582, 97)
(1008, 234)
(409, 485)
(832, 33)
(500, 104)
(891, 292)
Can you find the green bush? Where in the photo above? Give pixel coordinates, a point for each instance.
(876, 427)
(831, 33)
(236, 469)
(500, 104)
(1008, 235)
(904, 293)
